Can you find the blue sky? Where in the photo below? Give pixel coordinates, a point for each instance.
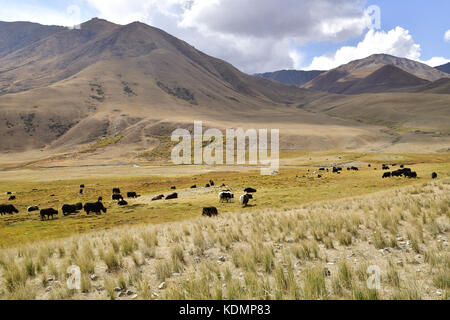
(266, 35)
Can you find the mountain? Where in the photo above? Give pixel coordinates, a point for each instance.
(444, 68)
(291, 77)
(375, 76)
(109, 93)
(133, 83)
(16, 35)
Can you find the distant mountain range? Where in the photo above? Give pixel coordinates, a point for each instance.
(444, 68)
(291, 77)
(109, 91)
(377, 73)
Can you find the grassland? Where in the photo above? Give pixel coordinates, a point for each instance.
(303, 237)
(320, 250)
(292, 187)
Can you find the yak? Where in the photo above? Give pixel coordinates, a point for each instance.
(160, 197)
(226, 196)
(48, 213)
(96, 207)
(71, 208)
(250, 190)
(210, 212)
(172, 196)
(245, 198)
(117, 197)
(8, 209)
(33, 208)
(132, 195)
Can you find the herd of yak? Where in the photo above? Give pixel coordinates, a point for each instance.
(224, 196)
(98, 207)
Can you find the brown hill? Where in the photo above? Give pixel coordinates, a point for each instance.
(109, 92)
(345, 79)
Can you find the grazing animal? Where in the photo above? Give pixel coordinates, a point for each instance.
(117, 197)
(116, 191)
(226, 196)
(210, 212)
(402, 166)
(100, 199)
(160, 197)
(71, 208)
(194, 186)
(369, 165)
(250, 190)
(207, 185)
(132, 195)
(385, 167)
(386, 175)
(33, 208)
(354, 168)
(8, 209)
(211, 183)
(48, 213)
(434, 175)
(322, 169)
(172, 196)
(12, 198)
(122, 203)
(9, 193)
(319, 176)
(173, 188)
(96, 207)
(245, 198)
(81, 186)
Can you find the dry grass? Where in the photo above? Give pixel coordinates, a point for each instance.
(320, 250)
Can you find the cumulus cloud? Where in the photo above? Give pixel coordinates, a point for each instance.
(447, 36)
(436, 61)
(397, 42)
(254, 35)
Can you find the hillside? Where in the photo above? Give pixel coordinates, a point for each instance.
(75, 87)
(444, 68)
(290, 77)
(111, 92)
(372, 75)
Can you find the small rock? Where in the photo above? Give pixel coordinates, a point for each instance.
(121, 294)
(162, 286)
(129, 292)
(222, 259)
(400, 263)
(100, 288)
(439, 292)
(48, 289)
(134, 297)
(93, 277)
(117, 289)
(50, 279)
(175, 274)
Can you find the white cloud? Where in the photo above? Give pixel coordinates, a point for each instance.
(397, 42)
(26, 12)
(447, 36)
(436, 61)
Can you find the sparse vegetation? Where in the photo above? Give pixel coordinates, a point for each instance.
(260, 258)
